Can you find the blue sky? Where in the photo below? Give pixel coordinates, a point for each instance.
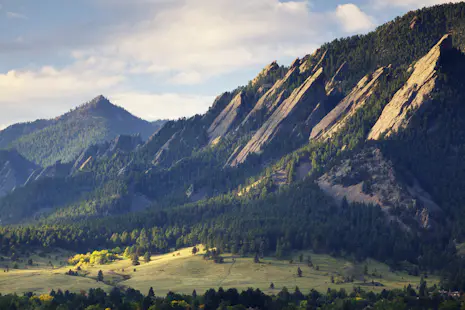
(160, 58)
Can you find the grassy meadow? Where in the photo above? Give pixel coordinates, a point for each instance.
(183, 272)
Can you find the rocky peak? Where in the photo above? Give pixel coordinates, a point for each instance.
(413, 95)
(345, 109)
(299, 104)
(265, 72)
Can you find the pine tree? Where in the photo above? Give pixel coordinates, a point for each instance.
(256, 260)
(147, 257)
(135, 260)
(151, 292)
(299, 272)
(100, 276)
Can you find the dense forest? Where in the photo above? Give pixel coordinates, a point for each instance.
(287, 298)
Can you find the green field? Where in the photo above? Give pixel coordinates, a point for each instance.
(183, 272)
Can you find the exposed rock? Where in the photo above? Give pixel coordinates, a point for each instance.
(370, 178)
(357, 98)
(122, 143)
(269, 101)
(57, 170)
(165, 148)
(307, 96)
(331, 86)
(414, 95)
(14, 171)
(226, 118)
(265, 72)
(413, 23)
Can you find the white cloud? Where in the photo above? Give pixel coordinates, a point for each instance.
(353, 19)
(152, 106)
(15, 15)
(200, 39)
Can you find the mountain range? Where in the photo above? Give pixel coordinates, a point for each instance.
(355, 149)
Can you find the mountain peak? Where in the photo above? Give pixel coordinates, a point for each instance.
(98, 102)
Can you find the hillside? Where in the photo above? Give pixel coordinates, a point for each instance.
(355, 151)
(45, 142)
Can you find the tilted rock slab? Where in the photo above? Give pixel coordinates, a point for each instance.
(357, 98)
(414, 94)
(225, 119)
(311, 92)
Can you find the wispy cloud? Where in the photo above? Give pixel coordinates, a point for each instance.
(15, 15)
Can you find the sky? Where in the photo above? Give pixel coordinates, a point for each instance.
(160, 59)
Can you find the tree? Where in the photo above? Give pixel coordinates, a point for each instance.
(332, 279)
(272, 286)
(100, 276)
(256, 260)
(151, 292)
(147, 257)
(30, 262)
(194, 250)
(299, 272)
(194, 294)
(135, 260)
(365, 270)
(423, 287)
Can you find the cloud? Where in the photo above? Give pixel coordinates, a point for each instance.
(196, 40)
(15, 15)
(152, 106)
(353, 19)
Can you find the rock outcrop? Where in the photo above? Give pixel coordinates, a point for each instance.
(226, 119)
(414, 95)
(357, 98)
(301, 102)
(266, 105)
(369, 178)
(14, 171)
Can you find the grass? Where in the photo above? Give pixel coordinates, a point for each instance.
(186, 272)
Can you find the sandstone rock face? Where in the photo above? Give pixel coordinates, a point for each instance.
(413, 95)
(225, 119)
(266, 105)
(307, 96)
(357, 98)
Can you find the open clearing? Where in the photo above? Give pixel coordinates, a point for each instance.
(183, 272)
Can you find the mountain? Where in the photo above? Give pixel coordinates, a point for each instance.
(354, 150)
(45, 142)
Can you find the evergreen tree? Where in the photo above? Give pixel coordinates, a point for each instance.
(100, 276)
(135, 259)
(147, 257)
(151, 292)
(299, 272)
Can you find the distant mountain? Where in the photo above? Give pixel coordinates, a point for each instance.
(45, 142)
